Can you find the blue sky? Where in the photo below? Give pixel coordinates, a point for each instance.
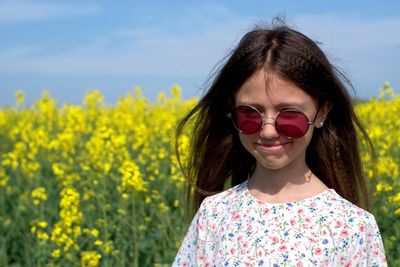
(69, 47)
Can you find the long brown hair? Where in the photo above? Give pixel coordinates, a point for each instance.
(216, 154)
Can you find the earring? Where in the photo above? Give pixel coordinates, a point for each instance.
(321, 123)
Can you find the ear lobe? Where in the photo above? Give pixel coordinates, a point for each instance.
(323, 113)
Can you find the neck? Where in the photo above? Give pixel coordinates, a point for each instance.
(272, 182)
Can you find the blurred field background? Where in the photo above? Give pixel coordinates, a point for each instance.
(99, 185)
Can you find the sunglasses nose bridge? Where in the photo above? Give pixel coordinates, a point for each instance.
(267, 120)
(268, 130)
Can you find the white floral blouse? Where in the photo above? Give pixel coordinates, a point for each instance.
(233, 228)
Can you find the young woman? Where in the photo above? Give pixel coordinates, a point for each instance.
(277, 124)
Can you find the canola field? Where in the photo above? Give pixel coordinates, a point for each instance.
(99, 185)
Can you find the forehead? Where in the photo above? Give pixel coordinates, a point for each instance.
(267, 89)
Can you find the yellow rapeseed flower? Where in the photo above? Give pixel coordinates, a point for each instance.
(3, 178)
(39, 195)
(42, 235)
(42, 224)
(131, 177)
(56, 253)
(163, 207)
(98, 242)
(90, 259)
(94, 232)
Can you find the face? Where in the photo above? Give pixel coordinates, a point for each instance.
(272, 96)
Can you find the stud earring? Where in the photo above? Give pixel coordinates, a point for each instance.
(321, 123)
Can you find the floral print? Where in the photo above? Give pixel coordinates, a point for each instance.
(233, 228)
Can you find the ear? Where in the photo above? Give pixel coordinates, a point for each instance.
(323, 114)
(231, 102)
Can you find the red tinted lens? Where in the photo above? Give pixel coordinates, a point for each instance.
(247, 119)
(292, 124)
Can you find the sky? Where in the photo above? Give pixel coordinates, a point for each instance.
(70, 47)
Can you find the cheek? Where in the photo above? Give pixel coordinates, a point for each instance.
(248, 141)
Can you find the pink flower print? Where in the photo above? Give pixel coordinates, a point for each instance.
(236, 217)
(338, 223)
(246, 244)
(312, 240)
(344, 233)
(299, 264)
(250, 227)
(361, 228)
(282, 248)
(232, 251)
(327, 262)
(292, 222)
(184, 264)
(240, 238)
(313, 204)
(348, 264)
(318, 251)
(266, 211)
(308, 220)
(275, 239)
(300, 211)
(259, 253)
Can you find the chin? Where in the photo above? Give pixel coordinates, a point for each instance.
(273, 165)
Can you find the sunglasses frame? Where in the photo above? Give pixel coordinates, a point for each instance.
(262, 116)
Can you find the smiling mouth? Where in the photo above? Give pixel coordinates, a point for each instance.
(272, 147)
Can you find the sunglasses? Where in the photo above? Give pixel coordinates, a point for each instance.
(290, 123)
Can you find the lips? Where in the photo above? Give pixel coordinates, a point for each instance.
(271, 147)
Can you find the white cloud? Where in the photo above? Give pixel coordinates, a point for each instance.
(23, 10)
(154, 50)
(367, 49)
(142, 54)
(352, 32)
(363, 47)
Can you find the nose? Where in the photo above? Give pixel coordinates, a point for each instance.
(268, 129)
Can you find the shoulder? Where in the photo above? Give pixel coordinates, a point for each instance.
(224, 199)
(341, 209)
(355, 231)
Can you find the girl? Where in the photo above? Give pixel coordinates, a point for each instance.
(278, 125)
